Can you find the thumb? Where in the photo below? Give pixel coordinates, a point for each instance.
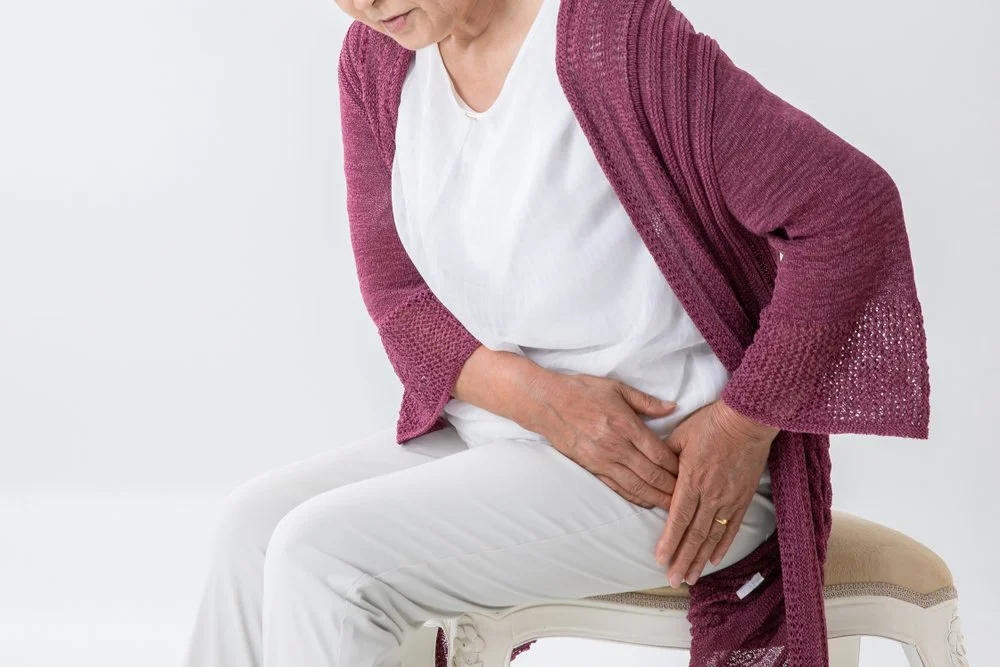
(644, 403)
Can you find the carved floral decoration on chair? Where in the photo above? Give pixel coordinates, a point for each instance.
(468, 644)
(957, 642)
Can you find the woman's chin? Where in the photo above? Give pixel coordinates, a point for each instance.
(408, 42)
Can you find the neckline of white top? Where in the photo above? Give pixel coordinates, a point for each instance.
(460, 104)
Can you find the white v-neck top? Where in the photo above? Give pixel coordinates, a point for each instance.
(513, 225)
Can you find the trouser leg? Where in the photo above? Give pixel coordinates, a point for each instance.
(228, 626)
(351, 572)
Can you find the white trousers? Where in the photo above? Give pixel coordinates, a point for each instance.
(333, 560)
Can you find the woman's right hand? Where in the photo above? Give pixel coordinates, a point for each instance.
(596, 421)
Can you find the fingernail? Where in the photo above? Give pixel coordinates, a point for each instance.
(669, 404)
(692, 580)
(675, 580)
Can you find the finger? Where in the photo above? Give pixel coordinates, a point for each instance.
(645, 403)
(637, 486)
(632, 498)
(708, 547)
(695, 535)
(732, 528)
(670, 442)
(681, 513)
(623, 493)
(634, 459)
(655, 448)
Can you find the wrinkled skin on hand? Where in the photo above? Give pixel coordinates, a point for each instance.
(721, 457)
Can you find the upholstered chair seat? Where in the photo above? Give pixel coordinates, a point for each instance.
(878, 582)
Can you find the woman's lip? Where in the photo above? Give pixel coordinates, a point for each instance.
(396, 23)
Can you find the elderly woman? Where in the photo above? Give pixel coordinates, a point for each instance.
(626, 288)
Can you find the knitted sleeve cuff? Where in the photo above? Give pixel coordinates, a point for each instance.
(867, 374)
(427, 347)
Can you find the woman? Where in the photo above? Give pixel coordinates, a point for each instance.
(547, 256)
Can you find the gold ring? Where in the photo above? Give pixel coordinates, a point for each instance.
(722, 521)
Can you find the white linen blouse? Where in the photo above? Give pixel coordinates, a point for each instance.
(513, 225)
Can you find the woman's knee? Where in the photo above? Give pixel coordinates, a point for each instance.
(251, 512)
(247, 516)
(339, 529)
(316, 536)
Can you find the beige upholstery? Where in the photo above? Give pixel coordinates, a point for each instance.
(864, 552)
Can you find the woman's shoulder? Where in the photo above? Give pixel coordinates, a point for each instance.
(371, 70)
(362, 41)
(367, 54)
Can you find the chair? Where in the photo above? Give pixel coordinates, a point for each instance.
(879, 582)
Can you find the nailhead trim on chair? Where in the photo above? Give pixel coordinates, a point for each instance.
(879, 589)
(643, 600)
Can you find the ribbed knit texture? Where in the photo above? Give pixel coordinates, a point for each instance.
(718, 175)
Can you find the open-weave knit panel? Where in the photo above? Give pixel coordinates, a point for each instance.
(427, 347)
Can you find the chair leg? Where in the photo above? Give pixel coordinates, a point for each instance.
(912, 656)
(939, 641)
(845, 651)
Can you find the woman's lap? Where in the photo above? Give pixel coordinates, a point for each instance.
(457, 528)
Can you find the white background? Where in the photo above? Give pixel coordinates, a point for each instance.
(179, 308)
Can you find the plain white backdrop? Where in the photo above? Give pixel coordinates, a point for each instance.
(179, 308)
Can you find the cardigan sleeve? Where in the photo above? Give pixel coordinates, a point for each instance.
(840, 347)
(426, 345)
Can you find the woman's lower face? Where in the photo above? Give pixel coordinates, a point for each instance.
(337, 559)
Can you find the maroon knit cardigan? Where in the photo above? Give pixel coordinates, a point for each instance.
(719, 175)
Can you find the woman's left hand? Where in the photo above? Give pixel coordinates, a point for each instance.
(722, 455)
